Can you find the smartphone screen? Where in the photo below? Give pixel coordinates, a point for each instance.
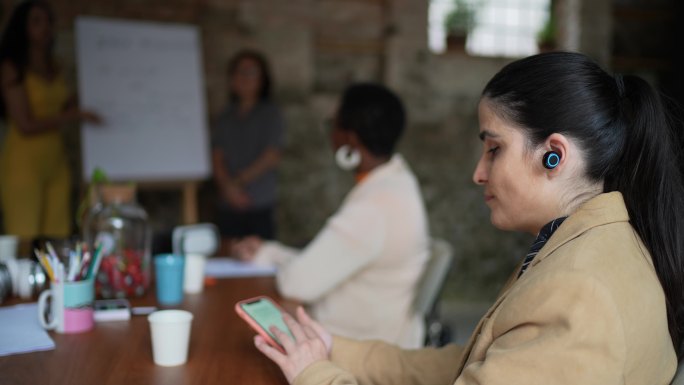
(266, 314)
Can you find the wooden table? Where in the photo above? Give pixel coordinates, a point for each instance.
(120, 352)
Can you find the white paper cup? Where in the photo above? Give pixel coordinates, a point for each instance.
(194, 273)
(170, 331)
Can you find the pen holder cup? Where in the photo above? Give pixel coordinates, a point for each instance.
(70, 309)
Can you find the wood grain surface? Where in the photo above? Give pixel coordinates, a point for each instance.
(120, 352)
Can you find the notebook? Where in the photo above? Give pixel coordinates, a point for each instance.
(222, 267)
(20, 331)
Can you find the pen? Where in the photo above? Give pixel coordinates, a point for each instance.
(51, 255)
(143, 310)
(73, 265)
(79, 258)
(79, 252)
(45, 263)
(51, 251)
(50, 269)
(85, 264)
(59, 268)
(95, 264)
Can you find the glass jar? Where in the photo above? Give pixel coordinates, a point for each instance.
(120, 227)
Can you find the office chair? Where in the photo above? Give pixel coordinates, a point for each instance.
(429, 287)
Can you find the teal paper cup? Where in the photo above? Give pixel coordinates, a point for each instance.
(169, 274)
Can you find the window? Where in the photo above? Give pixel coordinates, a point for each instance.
(509, 28)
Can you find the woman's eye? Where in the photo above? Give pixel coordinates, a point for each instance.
(493, 150)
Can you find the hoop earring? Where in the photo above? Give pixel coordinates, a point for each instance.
(551, 160)
(347, 158)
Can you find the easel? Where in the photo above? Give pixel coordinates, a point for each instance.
(189, 196)
(188, 191)
(106, 72)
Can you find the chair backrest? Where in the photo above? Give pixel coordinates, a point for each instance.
(679, 376)
(202, 238)
(436, 271)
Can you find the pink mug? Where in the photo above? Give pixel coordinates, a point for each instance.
(71, 310)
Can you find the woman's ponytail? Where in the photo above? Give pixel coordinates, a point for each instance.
(649, 176)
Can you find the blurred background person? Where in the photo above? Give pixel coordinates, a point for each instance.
(371, 253)
(247, 143)
(35, 189)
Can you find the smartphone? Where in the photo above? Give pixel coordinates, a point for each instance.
(112, 310)
(261, 313)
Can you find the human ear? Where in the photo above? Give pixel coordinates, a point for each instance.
(353, 139)
(556, 153)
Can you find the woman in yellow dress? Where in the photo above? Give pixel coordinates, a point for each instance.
(35, 184)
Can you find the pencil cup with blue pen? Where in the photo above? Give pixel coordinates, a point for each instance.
(71, 310)
(72, 289)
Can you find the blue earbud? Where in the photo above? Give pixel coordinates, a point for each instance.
(551, 160)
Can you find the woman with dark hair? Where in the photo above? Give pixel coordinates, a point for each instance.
(36, 179)
(247, 146)
(371, 253)
(587, 162)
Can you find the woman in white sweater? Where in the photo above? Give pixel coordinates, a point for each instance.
(359, 275)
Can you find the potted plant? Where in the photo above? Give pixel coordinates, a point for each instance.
(546, 37)
(458, 23)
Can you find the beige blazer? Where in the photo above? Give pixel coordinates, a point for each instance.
(589, 310)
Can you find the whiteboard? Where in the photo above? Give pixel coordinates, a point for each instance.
(145, 80)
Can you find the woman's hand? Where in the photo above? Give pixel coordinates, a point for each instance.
(246, 248)
(236, 197)
(90, 117)
(312, 343)
(321, 332)
(75, 114)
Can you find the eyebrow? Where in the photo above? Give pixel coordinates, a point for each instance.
(487, 134)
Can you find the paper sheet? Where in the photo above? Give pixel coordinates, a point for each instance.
(224, 267)
(20, 331)
(145, 79)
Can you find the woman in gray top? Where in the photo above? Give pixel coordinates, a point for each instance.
(246, 149)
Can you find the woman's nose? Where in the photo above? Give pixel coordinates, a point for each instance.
(480, 173)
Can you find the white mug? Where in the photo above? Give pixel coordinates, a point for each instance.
(8, 247)
(193, 277)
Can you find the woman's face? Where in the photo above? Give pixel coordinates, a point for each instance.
(246, 79)
(39, 27)
(513, 178)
